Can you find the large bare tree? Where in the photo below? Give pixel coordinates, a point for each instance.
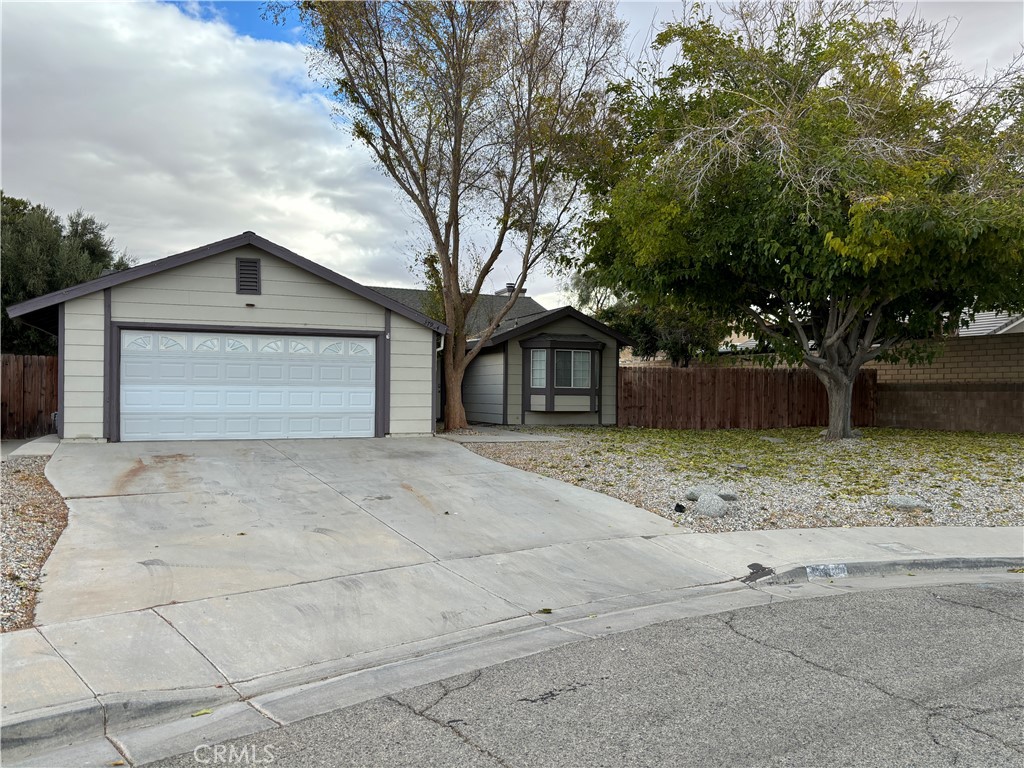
(475, 110)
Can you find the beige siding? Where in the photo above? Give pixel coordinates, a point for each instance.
(412, 355)
(203, 292)
(572, 402)
(82, 410)
(483, 386)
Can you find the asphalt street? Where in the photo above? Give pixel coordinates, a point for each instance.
(929, 676)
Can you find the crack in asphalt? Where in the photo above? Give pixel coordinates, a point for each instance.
(939, 712)
(930, 711)
(977, 607)
(450, 725)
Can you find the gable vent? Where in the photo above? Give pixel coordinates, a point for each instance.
(247, 275)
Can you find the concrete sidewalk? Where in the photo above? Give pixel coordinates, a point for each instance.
(126, 652)
(134, 679)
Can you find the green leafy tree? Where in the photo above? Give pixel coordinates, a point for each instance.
(42, 254)
(682, 332)
(474, 110)
(824, 173)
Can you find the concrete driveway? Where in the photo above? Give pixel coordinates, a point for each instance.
(159, 524)
(235, 568)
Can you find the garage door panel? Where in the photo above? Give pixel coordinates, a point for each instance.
(176, 371)
(359, 424)
(361, 399)
(205, 371)
(271, 374)
(270, 398)
(271, 425)
(173, 398)
(235, 398)
(236, 386)
(205, 398)
(361, 374)
(238, 372)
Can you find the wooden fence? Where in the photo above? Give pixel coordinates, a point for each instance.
(733, 398)
(29, 395)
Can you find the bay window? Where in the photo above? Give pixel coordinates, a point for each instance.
(561, 373)
(572, 368)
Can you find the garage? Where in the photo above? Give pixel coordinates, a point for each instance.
(202, 385)
(241, 339)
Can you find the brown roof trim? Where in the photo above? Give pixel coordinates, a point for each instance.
(540, 320)
(187, 257)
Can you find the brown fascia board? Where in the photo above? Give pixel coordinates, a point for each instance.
(187, 257)
(549, 317)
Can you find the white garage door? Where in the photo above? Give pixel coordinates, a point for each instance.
(194, 386)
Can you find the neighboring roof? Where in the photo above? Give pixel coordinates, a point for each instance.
(41, 312)
(991, 323)
(485, 309)
(748, 345)
(509, 329)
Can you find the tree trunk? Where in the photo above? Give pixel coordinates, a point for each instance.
(454, 371)
(840, 406)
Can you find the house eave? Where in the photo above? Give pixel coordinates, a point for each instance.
(246, 238)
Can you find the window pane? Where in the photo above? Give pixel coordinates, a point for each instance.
(538, 368)
(581, 369)
(563, 368)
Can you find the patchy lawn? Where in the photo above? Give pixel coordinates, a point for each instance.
(789, 478)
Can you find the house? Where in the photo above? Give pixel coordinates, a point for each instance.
(540, 367)
(239, 339)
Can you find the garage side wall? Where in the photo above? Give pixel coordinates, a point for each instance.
(412, 358)
(82, 409)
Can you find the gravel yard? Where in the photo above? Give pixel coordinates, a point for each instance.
(789, 478)
(32, 517)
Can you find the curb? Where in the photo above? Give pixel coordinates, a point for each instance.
(162, 715)
(816, 572)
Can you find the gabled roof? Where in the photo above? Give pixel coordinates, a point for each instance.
(485, 309)
(991, 323)
(38, 311)
(510, 329)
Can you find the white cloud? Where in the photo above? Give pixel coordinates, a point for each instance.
(165, 123)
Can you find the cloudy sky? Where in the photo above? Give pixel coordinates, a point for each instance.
(180, 124)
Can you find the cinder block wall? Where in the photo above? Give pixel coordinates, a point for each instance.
(974, 384)
(972, 358)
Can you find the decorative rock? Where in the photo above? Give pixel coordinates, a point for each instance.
(739, 466)
(709, 505)
(773, 439)
(698, 491)
(907, 504)
(694, 493)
